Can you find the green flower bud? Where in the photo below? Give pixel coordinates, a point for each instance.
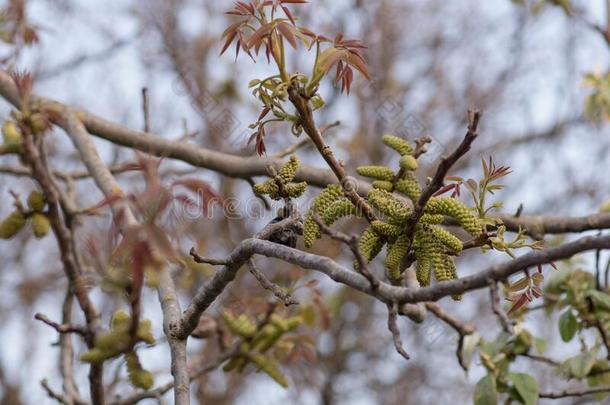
(408, 162)
(12, 224)
(398, 144)
(38, 123)
(40, 225)
(376, 172)
(11, 133)
(36, 201)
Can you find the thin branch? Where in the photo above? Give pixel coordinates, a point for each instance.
(275, 289)
(463, 329)
(352, 243)
(57, 396)
(349, 184)
(574, 393)
(61, 328)
(208, 293)
(538, 226)
(393, 327)
(494, 295)
(307, 141)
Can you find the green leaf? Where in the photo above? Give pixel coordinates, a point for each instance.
(567, 325)
(526, 386)
(540, 345)
(485, 393)
(580, 366)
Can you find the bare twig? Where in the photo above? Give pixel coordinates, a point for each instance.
(350, 189)
(352, 243)
(393, 327)
(506, 323)
(293, 148)
(574, 393)
(208, 293)
(61, 328)
(275, 289)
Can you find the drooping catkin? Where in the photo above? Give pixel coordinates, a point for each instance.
(450, 241)
(396, 252)
(456, 209)
(370, 244)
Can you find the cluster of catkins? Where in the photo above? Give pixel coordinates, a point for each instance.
(281, 186)
(257, 341)
(432, 246)
(16, 220)
(117, 341)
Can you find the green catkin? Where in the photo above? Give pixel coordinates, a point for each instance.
(424, 249)
(12, 224)
(289, 170)
(311, 230)
(370, 244)
(432, 219)
(40, 225)
(398, 144)
(445, 270)
(269, 367)
(376, 172)
(409, 187)
(339, 209)
(450, 241)
(138, 377)
(239, 325)
(390, 231)
(36, 201)
(383, 185)
(396, 252)
(408, 162)
(456, 209)
(145, 333)
(295, 190)
(422, 271)
(388, 204)
(268, 187)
